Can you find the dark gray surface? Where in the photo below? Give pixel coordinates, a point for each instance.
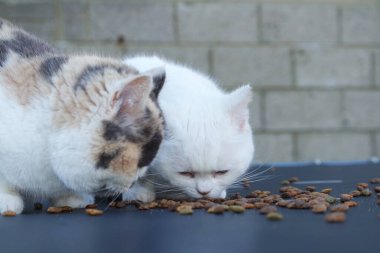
(129, 230)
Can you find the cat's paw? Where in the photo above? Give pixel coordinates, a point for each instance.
(141, 193)
(223, 195)
(73, 200)
(11, 202)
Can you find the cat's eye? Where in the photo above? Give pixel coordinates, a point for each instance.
(187, 173)
(219, 172)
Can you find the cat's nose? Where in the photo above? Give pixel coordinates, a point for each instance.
(203, 193)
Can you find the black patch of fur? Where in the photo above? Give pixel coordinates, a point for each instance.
(149, 150)
(28, 46)
(106, 158)
(158, 82)
(112, 131)
(3, 53)
(90, 71)
(51, 66)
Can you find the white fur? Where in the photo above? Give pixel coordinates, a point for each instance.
(207, 130)
(40, 160)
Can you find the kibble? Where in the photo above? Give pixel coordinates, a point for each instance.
(217, 209)
(274, 216)
(375, 180)
(54, 210)
(310, 188)
(91, 206)
(268, 209)
(237, 209)
(377, 189)
(9, 214)
(94, 212)
(339, 208)
(366, 192)
(327, 190)
(319, 208)
(336, 217)
(293, 179)
(345, 197)
(350, 203)
(184, 209)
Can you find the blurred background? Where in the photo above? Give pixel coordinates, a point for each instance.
(314, 64)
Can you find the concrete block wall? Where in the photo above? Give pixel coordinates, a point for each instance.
(314, 64)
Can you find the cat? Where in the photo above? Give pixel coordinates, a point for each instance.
(71, 126)
(208, 141)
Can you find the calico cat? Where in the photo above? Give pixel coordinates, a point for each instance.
(208, 141)
(71, 126)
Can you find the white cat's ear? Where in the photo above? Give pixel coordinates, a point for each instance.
(158, 76)
(238, 103)
(131, 99)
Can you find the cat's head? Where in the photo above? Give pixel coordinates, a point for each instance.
(108, 131)
(208, 146)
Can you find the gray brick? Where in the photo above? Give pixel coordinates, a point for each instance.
(27, 11)
(334, 146)
(333, 67)
(135, 21)
(302, 110)
(361, 24)
(259, 66)
(377, 141)
(377, 68)
(195, 57)
(299, 23)
(362, 109)
(255, 112)
(96, 49)
(45, 30)
(76, 20)
(217, 22)
(273, 148)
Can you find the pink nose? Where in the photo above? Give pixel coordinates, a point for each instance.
(203, 193)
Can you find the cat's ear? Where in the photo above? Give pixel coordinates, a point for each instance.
(131, 99)
(238, 102)
(158, 76)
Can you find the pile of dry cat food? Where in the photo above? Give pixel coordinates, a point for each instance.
(267, 203)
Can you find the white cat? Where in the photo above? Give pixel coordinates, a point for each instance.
(208, 142)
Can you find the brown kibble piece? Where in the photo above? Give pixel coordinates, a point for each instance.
(285, 182)
(9, 214)
(345, 197)
(351, 203)
(268, 209)
(339, 208)
(375, 180)
(237, 209)
(378, 201)
(38, 206)
(184, 209)
(355, 193)
(336, 217)
(327, 190)
(366, 192)
(293, 179)
(319, 208)
(310, 188)
(91, 206)
(377, 189)
(66, 209)
(54, 209)
(274, 216)
(217, 209)
(94, 212)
